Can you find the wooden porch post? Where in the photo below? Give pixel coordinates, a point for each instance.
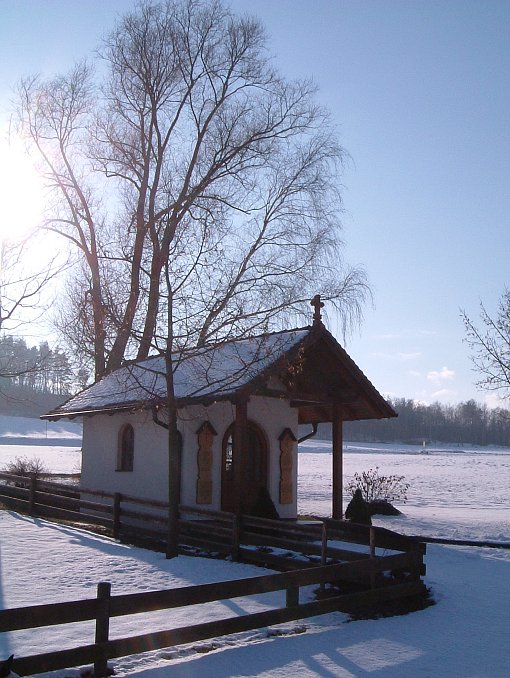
(337, 444)
(239, 451)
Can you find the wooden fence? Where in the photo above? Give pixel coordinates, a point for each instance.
(368, 565)
(139, 520)
(106, 606)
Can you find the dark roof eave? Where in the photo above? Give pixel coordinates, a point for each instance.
(371, 394)
(107, 409)
(141, 405)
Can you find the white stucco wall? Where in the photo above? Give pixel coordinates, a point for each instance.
(150, 471)
(148, 479)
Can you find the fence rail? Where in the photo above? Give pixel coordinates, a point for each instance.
(323, 552)
(106, 606)
(132, 517)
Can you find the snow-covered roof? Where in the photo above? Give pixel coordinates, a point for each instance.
(210, 372)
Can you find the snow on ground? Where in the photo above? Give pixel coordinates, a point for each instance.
(461, 494)
(453, 494)
(56, 458)
(464, 635)
(28, 427)
(56, 444)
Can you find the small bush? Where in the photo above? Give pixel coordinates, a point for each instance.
(22, 466)
(375, 487)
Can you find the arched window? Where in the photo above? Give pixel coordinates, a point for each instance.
(126, 448)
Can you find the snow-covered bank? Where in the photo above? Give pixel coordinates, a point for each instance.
(56, 458)
(56, 444)
(37, 429)
(349, 447)
(464, 635)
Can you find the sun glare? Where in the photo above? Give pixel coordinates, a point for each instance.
(21, 190)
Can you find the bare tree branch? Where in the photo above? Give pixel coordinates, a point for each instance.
(490, 343)
(193, 155)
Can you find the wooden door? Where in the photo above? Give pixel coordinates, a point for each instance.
(254, 476)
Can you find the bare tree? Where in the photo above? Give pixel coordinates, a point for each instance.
(490, 343)
(199, 188)
(192, 151)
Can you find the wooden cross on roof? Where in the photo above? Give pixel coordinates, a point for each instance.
(317, 305)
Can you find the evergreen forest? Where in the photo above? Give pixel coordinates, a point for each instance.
(466, 423)
(33, 379)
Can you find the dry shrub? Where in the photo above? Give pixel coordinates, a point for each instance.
(376, 487)
(23, 466)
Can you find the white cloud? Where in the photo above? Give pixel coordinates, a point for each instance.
(405, 334)
(414, 373)
(387, 336)
(443, 375)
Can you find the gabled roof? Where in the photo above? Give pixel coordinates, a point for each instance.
(242, 366)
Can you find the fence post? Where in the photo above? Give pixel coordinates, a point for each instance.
(236, 536)
(372, 542)
(117, 498)
(104, 589)
(324, 551)
(31, 493)
(292, 596)
(416, 571)
(372, 557)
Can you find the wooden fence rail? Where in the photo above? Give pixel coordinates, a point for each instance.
(129, 517)
(133, 518)
(106, 606)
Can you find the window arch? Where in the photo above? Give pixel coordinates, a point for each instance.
(126, 448)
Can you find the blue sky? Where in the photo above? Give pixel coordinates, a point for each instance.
(420, 93)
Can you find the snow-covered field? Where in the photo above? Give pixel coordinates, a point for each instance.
(465, 635)
(15, 428)
(460, 493)
(57, 444)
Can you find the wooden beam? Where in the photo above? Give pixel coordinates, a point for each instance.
(325, 398)
(337, 444)
(314, 414)
(310, 402)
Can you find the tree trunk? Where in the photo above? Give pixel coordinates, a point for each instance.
(174, 438)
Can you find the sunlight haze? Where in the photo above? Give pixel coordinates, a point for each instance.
(21, 190)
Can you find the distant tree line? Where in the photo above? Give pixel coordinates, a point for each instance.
(465, 423)
(37, 368)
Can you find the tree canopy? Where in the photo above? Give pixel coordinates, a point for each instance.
(35, 368)
(198, 188)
